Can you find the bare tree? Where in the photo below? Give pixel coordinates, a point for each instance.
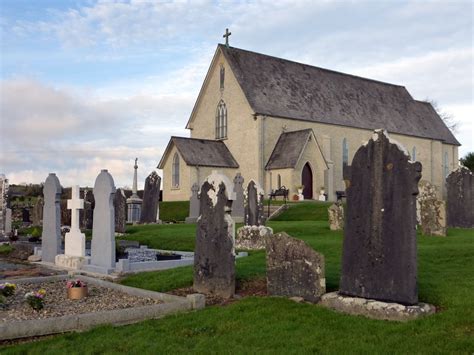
(447, 117)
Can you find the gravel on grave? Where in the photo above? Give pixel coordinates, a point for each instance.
(57, 304)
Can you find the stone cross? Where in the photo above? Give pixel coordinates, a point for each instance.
(103, 229)
(51, 237)
(74, 240)
(238, 210)
(379, 248)
(193, 204)
(214, 257)
(226, 36)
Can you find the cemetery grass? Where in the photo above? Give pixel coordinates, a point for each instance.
(277, 325)
(174, 211)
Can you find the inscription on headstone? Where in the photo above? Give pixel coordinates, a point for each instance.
(379, 248)
(51, 237)
(460, 202)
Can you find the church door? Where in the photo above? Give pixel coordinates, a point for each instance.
(307, 181)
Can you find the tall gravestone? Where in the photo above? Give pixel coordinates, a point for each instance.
(379, 249)
(103, 229)
(238, 210)
(151, 196)
(254, 215)
(214, 256)
(51, 237)
(193, 204)
(120, 207)
(460, 201)
(8, 221)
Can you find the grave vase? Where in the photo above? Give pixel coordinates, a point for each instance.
(77, 293)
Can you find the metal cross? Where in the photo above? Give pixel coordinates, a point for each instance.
(75, 204)
(226, 36)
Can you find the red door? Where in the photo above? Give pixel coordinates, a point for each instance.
(307, 181)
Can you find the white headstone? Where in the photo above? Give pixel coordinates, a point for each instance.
(75, 241)
(51, 237)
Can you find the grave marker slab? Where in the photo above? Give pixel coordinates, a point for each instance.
(193, 204)
(460, 201)
(151, 196)
(120, 207)
(254, 215)
(336, 216)
(51, 237)
(238, 209)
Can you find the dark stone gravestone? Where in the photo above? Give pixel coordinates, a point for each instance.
(120, 206)
(86, 215)
(379, 249)
(214, 258)
(151, 195)
(25, 215)
(37, 213)
(294, 269)
(254, 215)
(460, 201)
(238, 210)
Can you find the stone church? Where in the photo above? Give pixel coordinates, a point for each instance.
(283, 123)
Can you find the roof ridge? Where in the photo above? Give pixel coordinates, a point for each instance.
(198, 139)
(313, 66)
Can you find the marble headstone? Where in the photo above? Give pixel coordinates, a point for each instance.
(193, 204)
(254, 215)
(74, 240)
(238, 210)
(379, 249)
(151, 196)
(51, 237)
(120, 207)
(214, 256)
(460, 201)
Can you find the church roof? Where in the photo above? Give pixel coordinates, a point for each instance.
(201, 152)
(288, 149)
(285, 89)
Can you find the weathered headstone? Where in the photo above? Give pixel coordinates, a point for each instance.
(151, 196)
(460, 201)
(252, 237)
(254, 215)
(238, 210)
(120, 207)
(214, 256)
(51, 237)
(379, 249)
(87, 214)
(193, 204)
(431, 212)
(37, 214)
(336, 216)
(294, 269)
(74, 240)
(103, 229)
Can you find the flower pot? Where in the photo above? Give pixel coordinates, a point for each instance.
(76, 293)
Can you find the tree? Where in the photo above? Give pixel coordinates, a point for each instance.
(468, 161)
(447, 117)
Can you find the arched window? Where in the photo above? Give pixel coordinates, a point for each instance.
(413, 154)
(446, 164)
(221, 121)
(175, 171)
(279, 181)
(345, 153)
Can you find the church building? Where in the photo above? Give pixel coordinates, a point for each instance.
(283, 123)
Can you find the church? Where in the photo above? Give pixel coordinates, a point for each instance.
(283, 123)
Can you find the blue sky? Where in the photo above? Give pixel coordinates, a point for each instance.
(87, 85)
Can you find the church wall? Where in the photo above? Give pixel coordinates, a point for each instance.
(183, 192)
(242, 129)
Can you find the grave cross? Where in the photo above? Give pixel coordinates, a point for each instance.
(75, 204)
(226, 36)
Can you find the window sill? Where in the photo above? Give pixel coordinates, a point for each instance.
(221, 139)
(175, 188)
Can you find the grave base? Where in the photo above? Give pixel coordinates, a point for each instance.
(189, 220)
(71, 262)
(375, 309)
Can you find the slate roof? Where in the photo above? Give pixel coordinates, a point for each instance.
(288, 149)
(282, 88)
(202, 152)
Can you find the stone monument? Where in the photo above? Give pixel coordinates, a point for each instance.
(431, 212)
(379, 249)
(238, 210)
(253, 198)
(336, 216)
(460, 201)
(8, 221)
(134, 203)
(193, 204)
(151, 196)
(3, 202)
(214, 256)
(120, 207)
(51, 237)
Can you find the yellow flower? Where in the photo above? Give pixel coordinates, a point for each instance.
(42, 291)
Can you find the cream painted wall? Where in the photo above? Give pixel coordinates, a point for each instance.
(183, 191)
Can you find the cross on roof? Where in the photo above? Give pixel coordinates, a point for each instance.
(226, 36)
(75, 204)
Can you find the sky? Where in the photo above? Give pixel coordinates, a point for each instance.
(91, 85)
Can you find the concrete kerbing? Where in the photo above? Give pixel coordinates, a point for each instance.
(375, 309)
(29, 328)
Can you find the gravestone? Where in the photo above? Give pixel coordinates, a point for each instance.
(294, 269)
(193, 204)
(103, 229)
(151, 196)
(379, 248)
(336, 216)
(87, 214)
(238, 210)
(8, 221)
(120, 207)
(25, 212)
(74, 240)
(51, 237)
(253, 197)
(37, 213)
(431, 212)
(214, 256)
(460, 198)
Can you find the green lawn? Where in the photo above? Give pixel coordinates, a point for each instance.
(276, 325)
